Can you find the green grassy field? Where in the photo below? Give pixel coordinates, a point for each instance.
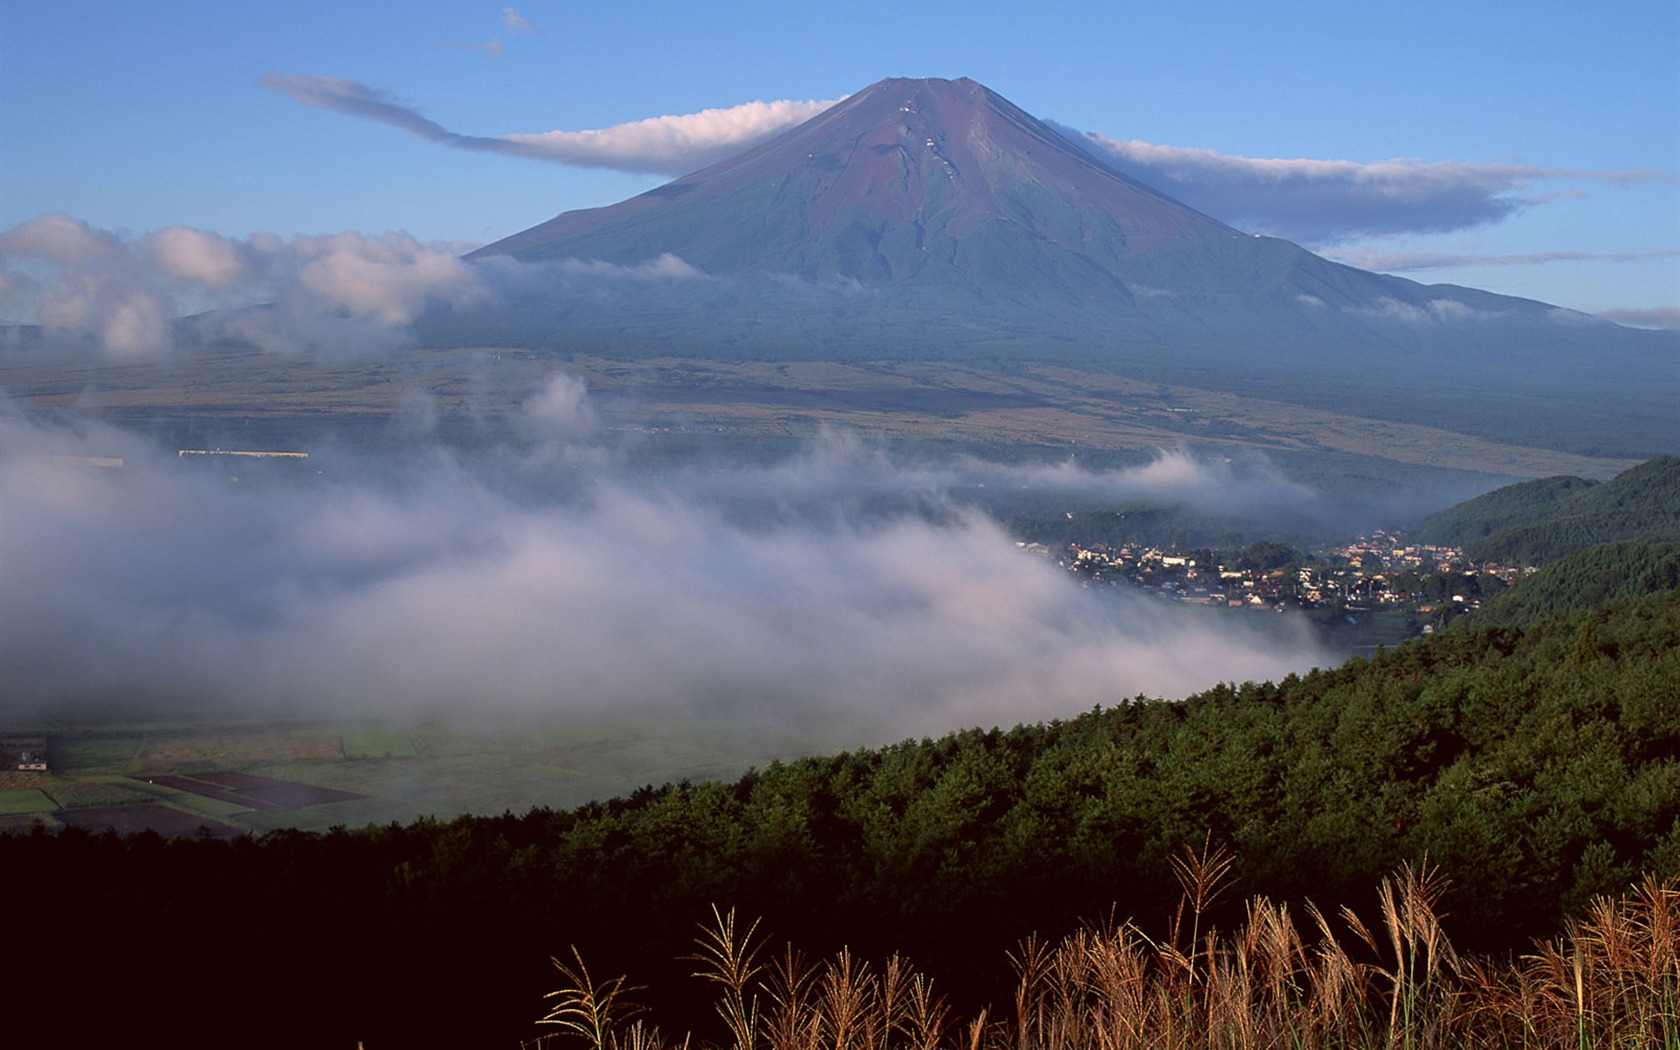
(16, 801)
(406, 771)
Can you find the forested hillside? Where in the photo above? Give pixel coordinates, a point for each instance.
(1537, 767)
(1583, 581)
(1540, 521)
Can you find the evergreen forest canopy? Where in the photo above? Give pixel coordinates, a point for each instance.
(1536, 760)
(1540, 521)
(1583, 581)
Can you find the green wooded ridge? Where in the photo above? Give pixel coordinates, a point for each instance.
(1540, 521)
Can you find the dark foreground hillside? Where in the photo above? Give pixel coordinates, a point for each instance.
(1536, 766)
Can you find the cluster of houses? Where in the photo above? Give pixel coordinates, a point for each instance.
(1378, 570)
(26, 754)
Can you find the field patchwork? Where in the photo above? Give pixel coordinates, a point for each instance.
(17, 801)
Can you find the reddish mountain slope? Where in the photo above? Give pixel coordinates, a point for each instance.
(907, 179)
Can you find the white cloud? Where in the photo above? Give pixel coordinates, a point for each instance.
(1407, 261)
(86, 287)
(135, 328)
(334, 296)
(666, 267)
(199, 257)
(516, 23)
(1175, 477)
(559, 410)
(92, 291)
(1659, 317)
(1432, 312)
(671, 145)
(387, 279)
(1320, 202)
(59, 239)
(666, 145)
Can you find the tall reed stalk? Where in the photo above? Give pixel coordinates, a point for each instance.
(1277, 982)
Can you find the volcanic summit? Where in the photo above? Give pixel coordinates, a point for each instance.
(907, 180)
(933, 219)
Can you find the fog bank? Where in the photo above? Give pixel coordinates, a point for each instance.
(562, 585)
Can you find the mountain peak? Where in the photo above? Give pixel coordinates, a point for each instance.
(980, 233)
(925, 180)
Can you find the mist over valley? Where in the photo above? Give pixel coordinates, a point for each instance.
(838, 586)
(745, 451)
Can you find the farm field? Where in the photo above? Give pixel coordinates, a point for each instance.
(173, 776)
(15, 801)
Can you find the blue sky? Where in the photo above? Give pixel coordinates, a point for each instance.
(1531, 150)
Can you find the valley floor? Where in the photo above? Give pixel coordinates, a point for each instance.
(1030, 406)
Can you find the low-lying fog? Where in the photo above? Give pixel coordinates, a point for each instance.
(836, 589)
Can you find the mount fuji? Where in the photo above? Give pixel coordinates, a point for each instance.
(926, 219)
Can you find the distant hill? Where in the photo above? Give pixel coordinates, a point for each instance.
(1541, 521)
(1524, 503)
